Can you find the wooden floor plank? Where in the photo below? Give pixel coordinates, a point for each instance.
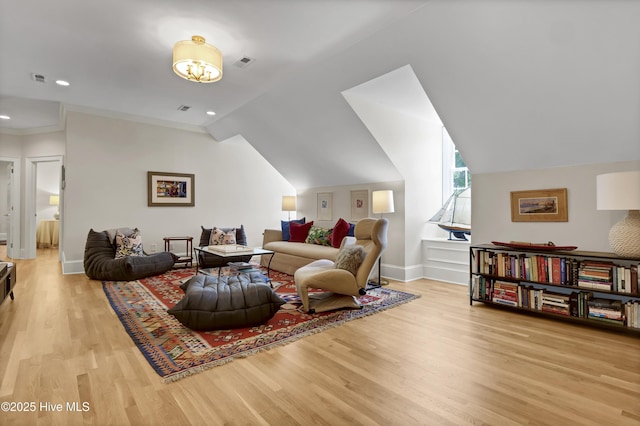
(435, 361)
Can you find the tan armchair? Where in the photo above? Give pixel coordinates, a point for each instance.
(341, 285)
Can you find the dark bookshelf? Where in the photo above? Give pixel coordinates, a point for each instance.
(592, 288)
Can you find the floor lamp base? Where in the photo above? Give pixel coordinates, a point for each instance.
(381, 281)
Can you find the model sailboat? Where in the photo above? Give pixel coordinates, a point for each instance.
(455, 215)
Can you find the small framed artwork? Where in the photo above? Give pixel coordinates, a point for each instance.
(325, 206)
(359, 204)
(541, 205)
(170, 189)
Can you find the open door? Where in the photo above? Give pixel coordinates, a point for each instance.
(11, 213)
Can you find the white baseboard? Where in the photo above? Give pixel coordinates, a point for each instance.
(72, 266)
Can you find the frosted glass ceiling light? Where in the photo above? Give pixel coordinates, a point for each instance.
(195, 60)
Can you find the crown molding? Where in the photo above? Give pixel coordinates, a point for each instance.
(133, 118)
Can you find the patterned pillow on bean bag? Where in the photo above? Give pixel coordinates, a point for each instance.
(219, 237)
(129, 245)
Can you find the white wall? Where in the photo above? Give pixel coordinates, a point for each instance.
(398, 113)
(107, 161)
(587, 227)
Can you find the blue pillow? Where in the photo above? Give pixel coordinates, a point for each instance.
(352, 229)
(285, 224)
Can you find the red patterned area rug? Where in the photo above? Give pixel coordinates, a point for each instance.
(175, 351)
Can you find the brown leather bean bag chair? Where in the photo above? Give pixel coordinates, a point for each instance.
(100, 262)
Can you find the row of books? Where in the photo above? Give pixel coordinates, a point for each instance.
(581, 304)
(596, 275)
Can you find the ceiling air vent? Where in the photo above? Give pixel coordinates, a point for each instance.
(39, 78)
(244, 62)
(183, 108)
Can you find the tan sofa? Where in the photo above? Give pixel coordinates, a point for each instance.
(290, 256)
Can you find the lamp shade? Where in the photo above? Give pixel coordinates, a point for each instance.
(618, 191)
(54, 200)
(196, 60)
(621, 191)
(382, 201)
(288, 203)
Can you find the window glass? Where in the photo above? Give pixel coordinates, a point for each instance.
(455, 174)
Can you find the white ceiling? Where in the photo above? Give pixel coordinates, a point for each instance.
(117, 53)
(522, 84)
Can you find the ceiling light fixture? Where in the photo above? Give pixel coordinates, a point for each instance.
(195, 60)
(5, 117)
(62, 83)
(211, 113)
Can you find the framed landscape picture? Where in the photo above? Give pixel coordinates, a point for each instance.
(170, 189)
(541, 205)
(359, 204)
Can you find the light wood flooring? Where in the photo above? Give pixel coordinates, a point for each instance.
(433, 361)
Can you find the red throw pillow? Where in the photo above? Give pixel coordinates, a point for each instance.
(339, 232)
(299, 231)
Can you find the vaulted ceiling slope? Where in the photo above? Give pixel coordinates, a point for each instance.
(519, 85)
(117, 54)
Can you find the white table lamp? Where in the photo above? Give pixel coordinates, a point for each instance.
(621, 191)
(382, 202)
(54, 200)
(289, 204)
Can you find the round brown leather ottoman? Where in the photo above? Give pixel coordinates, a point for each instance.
(212, 303)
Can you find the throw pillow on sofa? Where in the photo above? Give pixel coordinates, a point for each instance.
(319, 236)
(219, 237)
(350, 258)
(299, 231)
(285, 225)
(129, 245)
(338, 233)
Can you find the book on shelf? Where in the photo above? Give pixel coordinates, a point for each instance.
(594, 285)
(632, 314)
(505, 293)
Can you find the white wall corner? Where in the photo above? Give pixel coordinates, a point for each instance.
(72, 266)
(401, 273)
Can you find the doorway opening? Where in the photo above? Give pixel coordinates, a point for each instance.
(44, 202)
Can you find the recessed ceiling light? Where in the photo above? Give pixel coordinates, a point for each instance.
(5, 117)
(211, 113)
(62, 83)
